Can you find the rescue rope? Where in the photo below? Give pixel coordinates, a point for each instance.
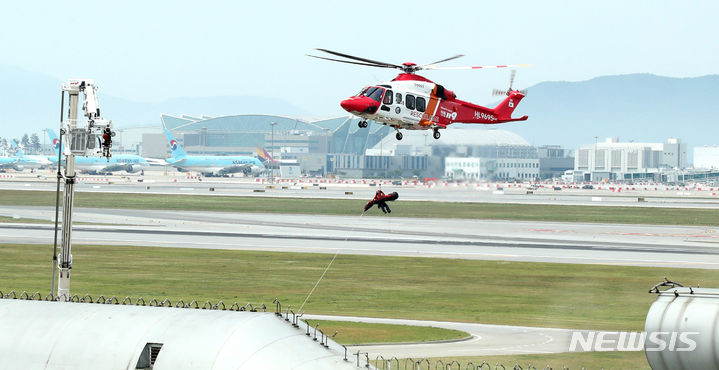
(323, 273)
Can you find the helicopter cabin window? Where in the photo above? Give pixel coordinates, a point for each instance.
(374, 93)
(388, 98)
(420, 103)
(409, 101)
(399, 98)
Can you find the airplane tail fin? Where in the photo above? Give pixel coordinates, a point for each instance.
(261, 154)
(504, 110)
(269, 157)
(54, 139)
(264, 156)
(16, 150)
(175, 147)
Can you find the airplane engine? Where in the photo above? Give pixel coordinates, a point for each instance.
(19, 168)
(132, 168)
(256, 170)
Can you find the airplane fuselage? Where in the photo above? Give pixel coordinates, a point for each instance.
(120, 162)
(218, 164)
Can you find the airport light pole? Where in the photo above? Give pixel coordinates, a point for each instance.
(272, 170)
(594, 168)
(327, 146)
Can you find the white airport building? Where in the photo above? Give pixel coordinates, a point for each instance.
(614, 160)
(475, 168)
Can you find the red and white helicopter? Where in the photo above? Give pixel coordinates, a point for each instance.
(413, 102)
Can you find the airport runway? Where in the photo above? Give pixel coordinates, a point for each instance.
(485, 340)
(485, 193)
(636, 245)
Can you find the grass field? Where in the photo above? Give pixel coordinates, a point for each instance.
(10, 219)
(490, 292)
(358, 332)
(575, 360)
(528, 212)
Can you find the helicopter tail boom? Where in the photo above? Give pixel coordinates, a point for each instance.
(504, 110)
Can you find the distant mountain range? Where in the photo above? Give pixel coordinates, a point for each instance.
(635, 107)
(31, 102)
(638, 107)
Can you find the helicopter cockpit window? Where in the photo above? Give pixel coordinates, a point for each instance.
(388, 98)
(368, 91)
(362, 91)
(409, 101)
(375, 93)
(420, 103)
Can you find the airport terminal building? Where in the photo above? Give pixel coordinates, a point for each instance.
(338, 147)
(615, 160)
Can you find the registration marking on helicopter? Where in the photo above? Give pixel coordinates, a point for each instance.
(481, 115)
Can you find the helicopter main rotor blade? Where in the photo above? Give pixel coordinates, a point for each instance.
(388, 65)
(442, 61)
(350, 62)
(478, 67)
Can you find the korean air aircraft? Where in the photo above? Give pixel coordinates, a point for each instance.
(29, 161)
(211, 164)
(129, 163)
(10, 163)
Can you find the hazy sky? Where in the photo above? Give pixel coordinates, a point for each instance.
(154, 50)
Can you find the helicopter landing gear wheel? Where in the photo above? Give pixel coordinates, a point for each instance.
(398, 135)
(436, 134)
(362, 124)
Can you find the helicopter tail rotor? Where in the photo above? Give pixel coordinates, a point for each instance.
(498, 92)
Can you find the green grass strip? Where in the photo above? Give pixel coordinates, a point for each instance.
(636, 360)
(20, 220)
(364, 333)
(353, 207)
(491, 292)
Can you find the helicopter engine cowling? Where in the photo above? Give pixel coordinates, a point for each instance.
(443, 93)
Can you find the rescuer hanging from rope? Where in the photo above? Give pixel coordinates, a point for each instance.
(381, 199)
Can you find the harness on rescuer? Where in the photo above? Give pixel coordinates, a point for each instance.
(381, 199)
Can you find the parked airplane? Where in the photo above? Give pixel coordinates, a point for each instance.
(211, 164)
(129, 163)
(10, 163)
(266, 158)
(29, 161)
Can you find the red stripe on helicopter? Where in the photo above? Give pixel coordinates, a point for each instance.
(480, 67)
